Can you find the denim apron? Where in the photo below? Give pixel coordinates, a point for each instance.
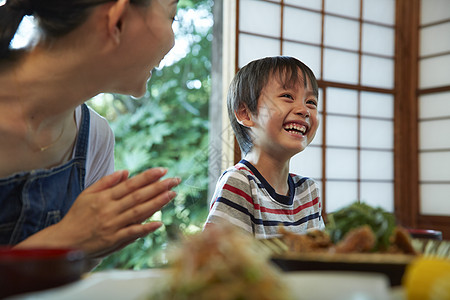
(33, 200)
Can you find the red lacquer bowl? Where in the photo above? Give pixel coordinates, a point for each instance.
(27, 270)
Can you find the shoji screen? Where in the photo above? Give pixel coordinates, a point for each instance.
(349, 44)
(434, 108)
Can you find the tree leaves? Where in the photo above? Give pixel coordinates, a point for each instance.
(168, 127)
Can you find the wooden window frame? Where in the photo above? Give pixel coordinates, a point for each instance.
(406, 122)
(406, 129)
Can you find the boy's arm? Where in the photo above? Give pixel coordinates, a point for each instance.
(232, 202)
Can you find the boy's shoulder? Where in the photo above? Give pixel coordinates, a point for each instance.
(242, 171)
(304, 184)
(300, 180)
(239, 169)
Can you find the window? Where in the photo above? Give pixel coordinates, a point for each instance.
(434, 108)
(347, 46)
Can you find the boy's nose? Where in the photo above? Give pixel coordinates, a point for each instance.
(302, 110)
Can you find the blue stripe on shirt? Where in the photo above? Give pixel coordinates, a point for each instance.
(301, 181)
(266, 222)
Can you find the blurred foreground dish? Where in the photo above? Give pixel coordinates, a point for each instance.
(27, 270)
(221, 263)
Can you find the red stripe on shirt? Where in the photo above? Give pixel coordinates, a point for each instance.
(236, 191)
(249, 199)
(239, 192)
(286, 211)
(245, 168)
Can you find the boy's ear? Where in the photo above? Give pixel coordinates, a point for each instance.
(243, 116)
(115, 19)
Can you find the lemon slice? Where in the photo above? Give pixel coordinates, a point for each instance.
(440, 290)
(427, 278)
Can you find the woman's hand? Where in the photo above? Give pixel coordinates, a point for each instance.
(108, 215)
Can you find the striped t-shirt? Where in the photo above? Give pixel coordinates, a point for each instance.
(244, 198)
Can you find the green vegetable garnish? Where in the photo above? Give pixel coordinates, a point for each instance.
(359, 214)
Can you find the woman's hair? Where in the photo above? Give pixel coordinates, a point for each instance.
(55, 17)
(250, 80)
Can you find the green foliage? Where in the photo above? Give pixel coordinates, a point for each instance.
(359, 214)
(168, 128)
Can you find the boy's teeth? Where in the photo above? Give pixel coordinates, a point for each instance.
(300, 128)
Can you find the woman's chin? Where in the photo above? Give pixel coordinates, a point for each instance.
(136, 90)
(139, 92)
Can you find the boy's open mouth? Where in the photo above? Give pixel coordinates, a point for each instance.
(295, 128)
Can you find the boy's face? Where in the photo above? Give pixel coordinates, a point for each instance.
(287, 119)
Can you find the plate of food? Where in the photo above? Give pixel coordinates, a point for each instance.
(393, 267)
(357, 238)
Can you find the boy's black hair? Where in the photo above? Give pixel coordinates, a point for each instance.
(249, 81)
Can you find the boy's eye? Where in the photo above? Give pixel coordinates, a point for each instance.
(287, 96)
(312, 102)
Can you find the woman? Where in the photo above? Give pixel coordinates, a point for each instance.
(53, 149)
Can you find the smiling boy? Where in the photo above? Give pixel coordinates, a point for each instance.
(272, 106)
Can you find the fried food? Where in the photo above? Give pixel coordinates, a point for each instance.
(358, 214)
(358, 240)
(356, 228)
(401, 242)
(314, 240)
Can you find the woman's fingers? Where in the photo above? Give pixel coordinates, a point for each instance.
(147, 193)
(141, 212)
(135, 183)
(108, 181)
(142, 197)
(139, 206)
(111, 211)
(133, 232)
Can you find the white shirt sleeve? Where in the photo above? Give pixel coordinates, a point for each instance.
(100, 154)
